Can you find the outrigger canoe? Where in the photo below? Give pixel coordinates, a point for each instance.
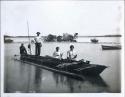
(64, 66)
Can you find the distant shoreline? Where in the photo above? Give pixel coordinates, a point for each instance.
(7, 36)
(70, 42)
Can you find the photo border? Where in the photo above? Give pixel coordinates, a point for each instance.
(122, 94)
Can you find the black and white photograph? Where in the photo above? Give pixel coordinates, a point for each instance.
(65, 46)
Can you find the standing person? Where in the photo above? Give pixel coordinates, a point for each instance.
(38, 44)
(57, 53)
(71, 55)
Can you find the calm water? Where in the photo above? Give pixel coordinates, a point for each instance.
(20, 77)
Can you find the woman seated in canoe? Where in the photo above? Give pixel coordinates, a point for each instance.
(71, 55)
(57, 53)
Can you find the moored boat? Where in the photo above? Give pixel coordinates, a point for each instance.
(115, 47)
(94, 40)
(64, 66)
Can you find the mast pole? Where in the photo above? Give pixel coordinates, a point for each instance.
(29, 45)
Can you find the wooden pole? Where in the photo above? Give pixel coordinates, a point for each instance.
(29, 45)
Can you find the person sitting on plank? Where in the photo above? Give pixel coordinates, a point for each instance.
(71, 55)
(23, 50)
(57, 53)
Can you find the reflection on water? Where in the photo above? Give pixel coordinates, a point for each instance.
(76, 84)
(37, 79)
(22, 77)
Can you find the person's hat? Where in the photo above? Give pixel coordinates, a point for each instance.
(71, 46)
(37, 32)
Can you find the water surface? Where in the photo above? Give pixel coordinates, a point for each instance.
(22, 77)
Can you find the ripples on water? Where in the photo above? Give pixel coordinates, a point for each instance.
(20, 77)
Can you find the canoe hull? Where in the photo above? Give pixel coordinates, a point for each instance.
(52, 64)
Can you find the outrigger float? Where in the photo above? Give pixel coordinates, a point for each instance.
(64, 66)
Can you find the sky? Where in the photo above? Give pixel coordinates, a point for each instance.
(58, 17)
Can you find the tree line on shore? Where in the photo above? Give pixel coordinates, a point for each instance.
(65, 37)
(51, 38)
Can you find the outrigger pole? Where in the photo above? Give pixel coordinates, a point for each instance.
(29, 45)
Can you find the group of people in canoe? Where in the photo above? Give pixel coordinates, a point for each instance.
(71, 55)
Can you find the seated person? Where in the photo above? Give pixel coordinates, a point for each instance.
(57, 54)
(23, 50)
(71, 54)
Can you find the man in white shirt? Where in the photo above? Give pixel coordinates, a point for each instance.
(57, 53)
(71, 55)
(38, 44)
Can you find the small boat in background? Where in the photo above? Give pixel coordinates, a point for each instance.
(8, 40)
(94, 40)
(115, 47)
